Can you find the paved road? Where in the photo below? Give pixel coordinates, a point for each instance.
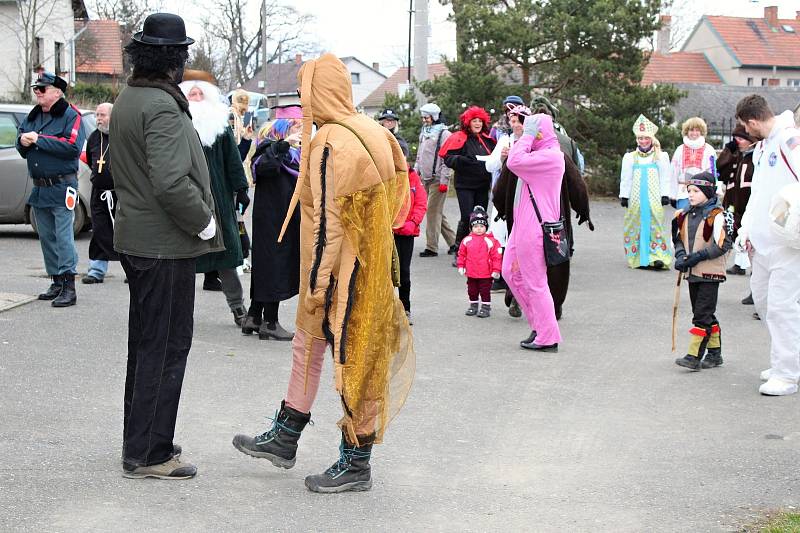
(607, 435)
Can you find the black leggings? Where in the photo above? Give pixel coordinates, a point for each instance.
(405, 249)
(268, 309)
(467, 200)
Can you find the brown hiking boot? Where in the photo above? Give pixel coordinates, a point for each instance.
(171, 469)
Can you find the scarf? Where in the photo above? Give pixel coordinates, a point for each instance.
(696, 144)
(432, 131)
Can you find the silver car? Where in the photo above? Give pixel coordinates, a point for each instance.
(15, 185)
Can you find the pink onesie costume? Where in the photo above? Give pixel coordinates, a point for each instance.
(539, 164)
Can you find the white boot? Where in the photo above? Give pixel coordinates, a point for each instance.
(765, 374)
(777, 387)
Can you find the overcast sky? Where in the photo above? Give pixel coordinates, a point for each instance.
(377, 30)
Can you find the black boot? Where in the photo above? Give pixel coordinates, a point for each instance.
(530, 338)
(279, 443)
(350, 473)
(713, 356)
(67, 297)
(250, 325)
(485, 312)
(54, 290)
(239, 314)
(472, 310)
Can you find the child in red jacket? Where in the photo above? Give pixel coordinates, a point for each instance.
(404, 236)
(480, 259)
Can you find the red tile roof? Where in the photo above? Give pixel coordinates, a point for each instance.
(755, 42)
(375, 98)
(102, 49)
(679, 67)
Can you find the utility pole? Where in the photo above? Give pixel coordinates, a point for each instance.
(420, 46)
(264, 45)
(410, 15)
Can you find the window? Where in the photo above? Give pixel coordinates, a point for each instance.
(8, 131)
(59, 58)
(749, 82)
(795, 82)
(355, 78)
(774, 82)
(763, 82)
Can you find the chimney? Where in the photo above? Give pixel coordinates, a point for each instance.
(797, 16)
(662, 42)
(298, 59)
(771, 14)
(377, 66)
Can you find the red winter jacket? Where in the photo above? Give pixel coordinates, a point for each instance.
(480, 255)
(419, 205)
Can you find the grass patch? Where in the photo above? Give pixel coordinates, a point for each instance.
(781, 522)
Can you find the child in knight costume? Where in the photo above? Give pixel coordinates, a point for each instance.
(644, 190)
(702, 238)
(353, 189)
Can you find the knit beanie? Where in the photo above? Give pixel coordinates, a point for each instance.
(741, 132)
(478, 216)
(706, 182)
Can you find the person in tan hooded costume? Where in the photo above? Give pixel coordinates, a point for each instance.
(352, 190)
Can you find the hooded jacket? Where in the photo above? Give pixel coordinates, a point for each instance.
(352, 190)
(418, 206)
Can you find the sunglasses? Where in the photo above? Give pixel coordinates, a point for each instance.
(40, 89)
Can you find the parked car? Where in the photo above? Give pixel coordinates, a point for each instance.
(258, 107)
(15, 185)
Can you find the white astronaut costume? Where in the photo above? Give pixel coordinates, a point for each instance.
(775, 282)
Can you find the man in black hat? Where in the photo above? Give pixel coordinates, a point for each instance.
(51, 138)
(166, 219)
(389, 120)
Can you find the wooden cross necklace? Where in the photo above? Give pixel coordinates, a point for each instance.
(101, 161)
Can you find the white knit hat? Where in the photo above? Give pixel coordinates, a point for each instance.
(431, 110)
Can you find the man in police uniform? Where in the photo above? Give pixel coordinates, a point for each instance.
(51, 139)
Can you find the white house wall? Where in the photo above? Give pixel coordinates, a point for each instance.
(369, 80)
(58, 28)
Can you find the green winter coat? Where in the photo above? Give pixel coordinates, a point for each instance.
(160, 175)
(227, 177)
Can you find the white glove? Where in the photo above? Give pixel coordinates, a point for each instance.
(210, 230)
(742, 243)
(531, 126)
(462, 271)
(495, 275)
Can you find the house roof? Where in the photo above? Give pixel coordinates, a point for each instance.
(679, 67)
(717, 103)
(281, 78)
(357, 60)
(102, 50)
(375, 98)
(753, 42)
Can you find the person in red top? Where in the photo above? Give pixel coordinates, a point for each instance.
(404, 236)
(480, 259)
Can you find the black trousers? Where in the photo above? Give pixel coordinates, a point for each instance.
(703, 295)
(467, 200)
(160, 327)
(405, 249)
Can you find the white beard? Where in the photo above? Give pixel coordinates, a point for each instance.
(210, 120)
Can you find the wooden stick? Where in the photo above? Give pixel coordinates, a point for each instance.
(676, 301)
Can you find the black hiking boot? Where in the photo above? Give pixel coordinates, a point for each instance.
(485, 312)
(472, 310)
(350, 473)
(67, 297)
(239, 314)
(713, 358)
(689, 361)
(54, 290)
(279, 443)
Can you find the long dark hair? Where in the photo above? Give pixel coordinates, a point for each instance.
(154, 62)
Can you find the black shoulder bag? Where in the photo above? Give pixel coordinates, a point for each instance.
(554, 236)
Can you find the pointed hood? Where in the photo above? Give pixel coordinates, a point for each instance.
(546, 138)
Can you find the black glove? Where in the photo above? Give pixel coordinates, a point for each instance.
(695, 258)
(623, 202)
(664, 200)
(582, 219)
(673, 202)
(242, 200)
(680, 262)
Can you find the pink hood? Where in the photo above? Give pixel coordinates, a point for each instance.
(547, 134)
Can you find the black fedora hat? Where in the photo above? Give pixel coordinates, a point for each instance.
(163, 29)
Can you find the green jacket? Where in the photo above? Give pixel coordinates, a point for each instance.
(160, 175)
(227, 177)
